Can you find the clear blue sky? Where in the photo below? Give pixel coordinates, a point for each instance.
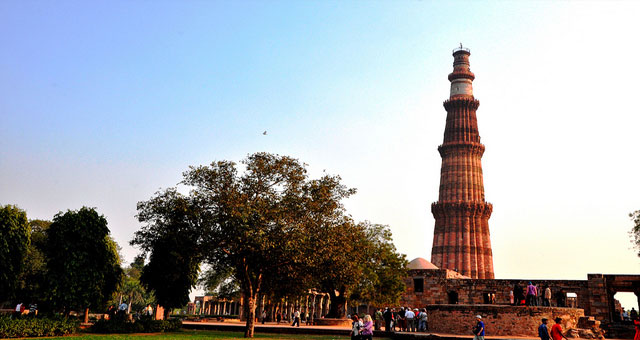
(104, 102)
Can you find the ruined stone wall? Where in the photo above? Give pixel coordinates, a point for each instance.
(498, 320)
(438, 283)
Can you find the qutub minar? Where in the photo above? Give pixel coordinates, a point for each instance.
(461, 239)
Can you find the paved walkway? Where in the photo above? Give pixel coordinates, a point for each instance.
(285, 328)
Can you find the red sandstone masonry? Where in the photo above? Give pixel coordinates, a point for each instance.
(461, 239)
(498, 320)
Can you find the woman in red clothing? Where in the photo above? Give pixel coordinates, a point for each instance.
(636, 322)
(556, 330)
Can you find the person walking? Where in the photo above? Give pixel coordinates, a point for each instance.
(547, 297)
(636, 322)
(517, 294)
(278, 317)
(296, 319)
(388, 317)
(543, 331)
(422, 317)
(356, 324)
(264, 316)
(532, 293)
(378, 319)
(556, 330)
(410, 318)
(402, 319)
(478, 330)
(366, 332)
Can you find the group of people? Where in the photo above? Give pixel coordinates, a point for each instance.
(22, 309)
(361, 329)
(404, 319)
(555, 333)
(533, 296)
(628, 316)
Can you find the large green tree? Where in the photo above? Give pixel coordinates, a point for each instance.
(249, 219)
(267, 227)
(172, 238)
(635, 230)
(33, 279)
(82, 260)
(252, 226)
(14, 244)
(383, 268)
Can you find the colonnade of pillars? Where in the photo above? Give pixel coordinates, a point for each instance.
(221, 308)
(316, 305)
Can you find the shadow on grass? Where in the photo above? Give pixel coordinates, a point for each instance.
(195, 334)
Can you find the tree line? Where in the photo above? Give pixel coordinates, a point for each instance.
(262, 228)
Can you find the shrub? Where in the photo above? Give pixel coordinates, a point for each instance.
(144, 325)
(34, 327)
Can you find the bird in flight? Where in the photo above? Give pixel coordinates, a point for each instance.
(265, 132)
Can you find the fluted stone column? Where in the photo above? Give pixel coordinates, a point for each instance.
(327, 302)
(461, 239)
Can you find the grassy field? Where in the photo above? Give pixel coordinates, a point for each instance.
(188, 335)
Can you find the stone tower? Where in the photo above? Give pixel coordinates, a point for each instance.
(461, 234)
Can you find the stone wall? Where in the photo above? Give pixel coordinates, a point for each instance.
(440, 283)
(499, 320)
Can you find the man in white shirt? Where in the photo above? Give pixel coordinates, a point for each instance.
(411, 318)
(296, 319)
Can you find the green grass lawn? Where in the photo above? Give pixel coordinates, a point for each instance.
(190, 334)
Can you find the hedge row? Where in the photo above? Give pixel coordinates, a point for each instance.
(33, 327)
(145, 325)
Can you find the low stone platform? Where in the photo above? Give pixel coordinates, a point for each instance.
(501, 320)
(332, 322)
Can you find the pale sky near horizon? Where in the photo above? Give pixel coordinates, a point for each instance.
(103, 103)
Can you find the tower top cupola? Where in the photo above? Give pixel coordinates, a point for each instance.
(461, 78)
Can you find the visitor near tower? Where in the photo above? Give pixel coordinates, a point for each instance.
(478, 330)
(532, 293)
(543, 331)
(556, 330)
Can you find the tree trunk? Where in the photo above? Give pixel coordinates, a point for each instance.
(86, 315)
(336, 308)
(129, 306)
(250, 312)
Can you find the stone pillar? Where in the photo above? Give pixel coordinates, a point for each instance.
(319, 306)
(312, 314)
(327, 302)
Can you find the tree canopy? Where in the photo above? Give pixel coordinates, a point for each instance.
(14, 243)
(171, 237)
(635, 230)
(83, 265)
(33, 279)
(266, 226)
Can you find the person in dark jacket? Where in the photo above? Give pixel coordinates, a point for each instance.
(543, 331)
